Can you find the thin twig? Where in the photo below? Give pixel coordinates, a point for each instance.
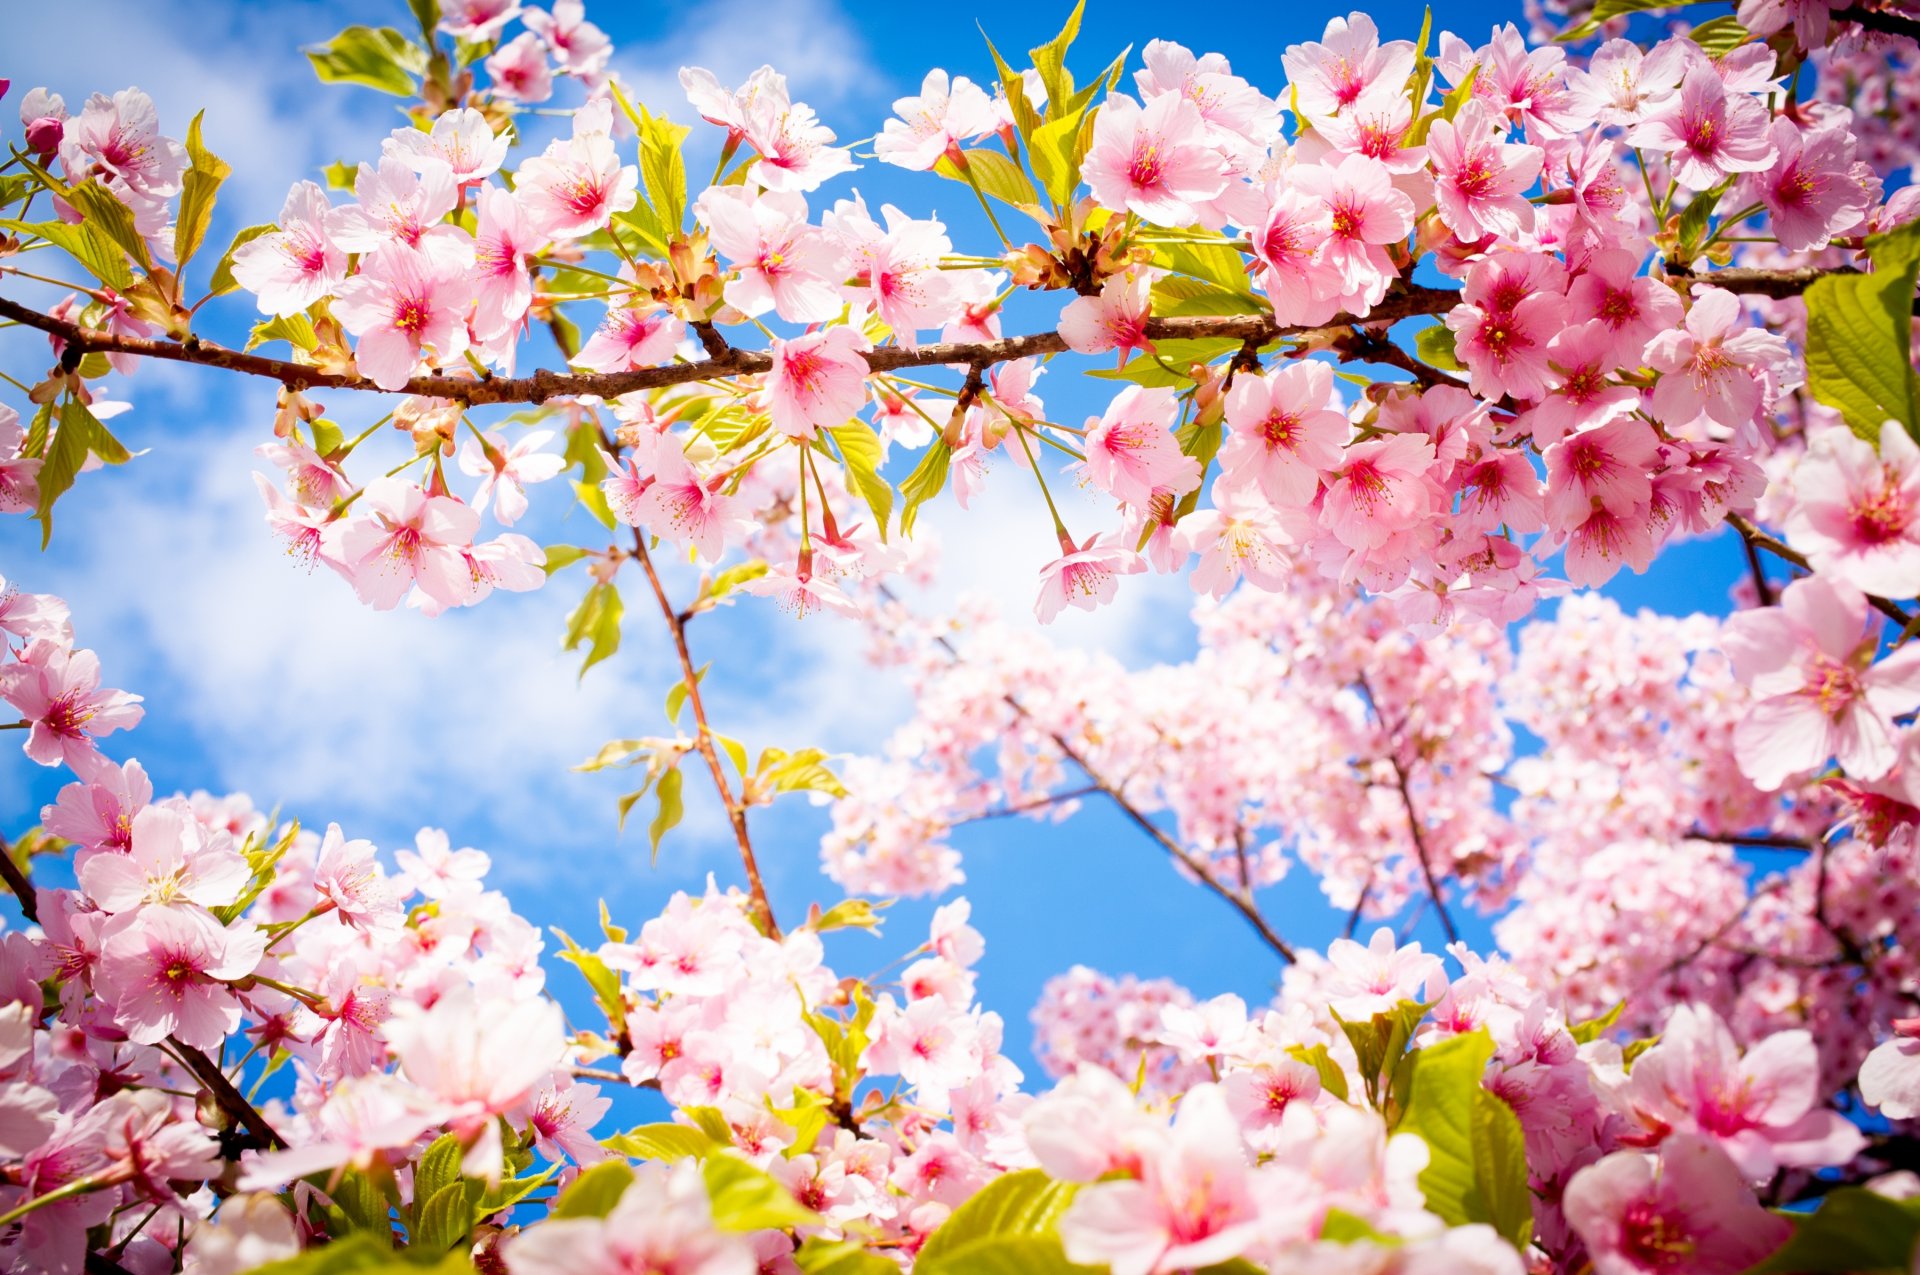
(1786, 553)
(703, 739)
(204, 1069)
(1420, 849)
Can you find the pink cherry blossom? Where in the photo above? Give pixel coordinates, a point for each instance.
(1131, 451)
(896, 271)
(1479, 180)
(1890, 1076)
(682, 507)
(784, 264)
(933, 123)
(1762, 1108)
(1710, 131)
(796, 149)
(577, 184)
(290, 268)
(1366, 213)
(57, 691)
(163, 972)
(1856, 514)
(519, 70)
(401, 537)
(1191, 1207)
(397, 206)
(1238, 536)
(1684, 1209)
(662, 1222)
(169, 858)
(347, 877)
(645, 334)
(406, 306)
(1611, 290)
(1152, 161)
(578, 46)
(1818, 692)
(1284, 432)
(460, 140)
(1335, 71)
(1712, 365)
(1811, 191)
(477, 20)
(818, 381)
(505, 470)
(1113, 319)
(1085, 577)
(503, 287)
(1373, 979)
(1379, 488)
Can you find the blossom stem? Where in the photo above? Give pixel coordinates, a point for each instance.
(79, 1186)
(703, 738)
(20, 725)
(966, 171)
(1059, 527)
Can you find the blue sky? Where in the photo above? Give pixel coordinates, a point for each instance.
(262, 679)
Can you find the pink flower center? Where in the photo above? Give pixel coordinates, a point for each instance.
(411, 315)
(1833, 685)
(1146, 168)
(1281, 430)
(1475, 179)
(1881, 517)
(1654, 1239)
(67, 715)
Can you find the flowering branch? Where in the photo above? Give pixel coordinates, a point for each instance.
(1880, 20)
(1786, 553)
(204, 1069)
(703, 739)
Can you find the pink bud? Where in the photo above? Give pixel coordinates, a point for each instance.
(43, 135)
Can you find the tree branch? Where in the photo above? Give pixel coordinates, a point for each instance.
(703, 739)
(1786, 553)
(1420, 849)
(204, 1069)
(1242, 901)
(1880, 20)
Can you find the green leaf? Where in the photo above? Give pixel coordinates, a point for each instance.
(749, 1199)
(1593, 1029)
(710, 1122)
(1381, 1041)
(1213, 261)
(498, 1199)
(1333, 1078)
(1476, 1168)
(427, 14)
(1175, 295)
(350, 1256)
(559, 556)
(661, 1142)
(1434, 345)
(360, 1202)
(596, 622)
(1608, 9)
(804, 771)
(860, 451)
(848, 914)
(594, 500)
(1050, 59)
(595, 1192)
(677, 694)
(1695, 219)
(223, 281)
(924, 483)
(1858, 332)
(1008, 1255)
(602, 981)
(663, 170)
(845, 1041)
(65, 454)
(725, 582)
(443, 1220)
(295, 329)
(86, 243)
(1719, 36)
(1025, 120)
(1177, 354)
(201, 184)
(438, 1169)
(671, 809)
(103, 209)
(820, 1256)
(1055, 153)
(1023, 1203)
(378, 57)
(1853, 1230)
(996, 175)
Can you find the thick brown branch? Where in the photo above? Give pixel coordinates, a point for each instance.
(204, 1069)
(1404, 301)
(703, 740)
(1880, 20)
(1778, 284)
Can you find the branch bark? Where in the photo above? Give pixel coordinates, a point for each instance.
(1881, 20)
(1242, 901)
(703, 740)
(204, 1069)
